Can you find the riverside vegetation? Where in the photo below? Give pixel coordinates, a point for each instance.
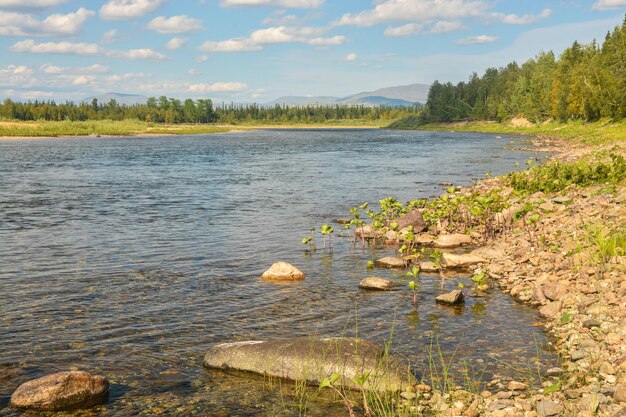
(552, 236)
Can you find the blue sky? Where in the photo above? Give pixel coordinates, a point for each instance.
(258, 50)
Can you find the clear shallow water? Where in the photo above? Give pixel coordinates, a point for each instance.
(129, 256)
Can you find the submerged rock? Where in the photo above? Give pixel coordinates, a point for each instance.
(391, 262)
(283, 271)
(451, 298)
(61, 391)
(311, 360)
(452, 240)
(377, 283)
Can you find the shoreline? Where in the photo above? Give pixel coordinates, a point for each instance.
(549, 267)
(156, 130)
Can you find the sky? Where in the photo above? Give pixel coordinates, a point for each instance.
(258, 50)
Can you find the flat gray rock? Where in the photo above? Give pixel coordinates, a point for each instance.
(377, 283)
(451, 298)
(312, 360)
(391, 262)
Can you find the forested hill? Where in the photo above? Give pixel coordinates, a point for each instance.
(586, 82)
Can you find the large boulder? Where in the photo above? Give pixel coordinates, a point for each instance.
(61, 391)
(312, 360)
(452, 240)
(462, 261)
(412, 218)
(282, 271)
(377, 283)
(391, 262)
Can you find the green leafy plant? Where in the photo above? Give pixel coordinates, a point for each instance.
(413, 284)
(327, 232)
(330, 383)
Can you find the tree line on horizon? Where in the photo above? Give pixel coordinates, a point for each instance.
(586, 82)
(172, 110)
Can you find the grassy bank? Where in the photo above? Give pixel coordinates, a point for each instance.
(580, 132)
(136, 127)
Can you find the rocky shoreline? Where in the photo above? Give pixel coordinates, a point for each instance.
(553, 267)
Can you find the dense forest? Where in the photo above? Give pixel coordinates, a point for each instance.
(586, 82)
(171, 110)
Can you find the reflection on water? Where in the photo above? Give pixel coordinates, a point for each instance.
(129, 256)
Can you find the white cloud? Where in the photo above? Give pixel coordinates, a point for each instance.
(216, 87)
(175, 24)
(139, 54)
(92, 69)
(128, 9)
(444, 26)
(230, 45)
(27, 95)
(273, 35)
(473, 40)
(404, 30)
(608, 4)
(70, 48)
(350, 57)
(333, 40)
(30, 4)
(193, 72)
(17, 76)
(295, 4)
(82, 80)
(513, 19)
(419, 11)
(56, 48)
(23, 24)
(202, 58)
(175, 43)
(109, 36)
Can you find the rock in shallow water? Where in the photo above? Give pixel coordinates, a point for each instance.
(391, 262)
(451, 298)
(283, 271)
(377, 283)
(61, 391)
(312, 360)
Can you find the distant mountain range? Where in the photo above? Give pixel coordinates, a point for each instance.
(120, 98)
(402, 95)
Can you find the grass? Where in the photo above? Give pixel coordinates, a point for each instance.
(100, 127)
(600, 132)
(136, 127)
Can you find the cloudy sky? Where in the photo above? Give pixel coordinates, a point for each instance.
(258, 50)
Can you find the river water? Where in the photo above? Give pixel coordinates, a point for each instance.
(128, 257)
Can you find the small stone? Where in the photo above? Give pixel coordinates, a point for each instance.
(619, 395)
(423, 388)
(551, 309)
(503, 395)
(377, 283)
(61, 391)
(547, 408)
(282, 271)
(485, 394)
(413, 218)
(516, 386)
(408, 395)
(562, 200)
(556, 371)
(589, 403)
(451, 298)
